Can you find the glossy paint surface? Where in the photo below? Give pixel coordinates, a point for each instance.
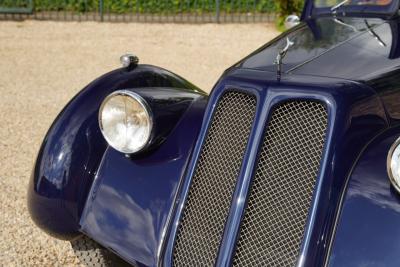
(388, 87)
(72, 150)
(354, 49)
(311, 40)
(130, 202)
(384, 11)
(368, 230)
(134, 204)
(364, 57)
(366, 50)
(355, 117)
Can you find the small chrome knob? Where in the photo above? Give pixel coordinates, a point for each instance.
(128, 60)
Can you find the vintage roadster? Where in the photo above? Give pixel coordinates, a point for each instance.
(292, 160)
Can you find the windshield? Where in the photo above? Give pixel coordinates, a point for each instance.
(333, 3)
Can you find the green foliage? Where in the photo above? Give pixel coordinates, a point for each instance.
(283, 7)
(287, 7)
(148, 6)
(14, 3)
(67, 5)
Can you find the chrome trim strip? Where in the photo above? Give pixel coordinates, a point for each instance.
(394, 146)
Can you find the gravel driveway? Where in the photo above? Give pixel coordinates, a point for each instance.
(44, 64)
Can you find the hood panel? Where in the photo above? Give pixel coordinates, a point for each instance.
(381, 9)
(347, 48)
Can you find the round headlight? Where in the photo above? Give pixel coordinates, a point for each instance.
(125, 121)
(393, 164)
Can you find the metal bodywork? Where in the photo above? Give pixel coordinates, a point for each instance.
(350, 8)
(367, 231)
(73, 148)
(347, 125)
(133, 205)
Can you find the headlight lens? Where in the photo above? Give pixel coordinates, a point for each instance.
(394, 164)
(125, 121)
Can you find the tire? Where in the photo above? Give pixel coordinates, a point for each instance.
(91, 254)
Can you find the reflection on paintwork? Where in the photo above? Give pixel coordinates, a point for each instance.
(371, 45)
(377, 191)
(132, 198)
(128, 207)
(388, 86)
(60, 157)
(368, 231)
(313, 39)
(73, 147)
(132, 223)
(367, 55)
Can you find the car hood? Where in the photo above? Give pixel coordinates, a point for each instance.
(347, 48)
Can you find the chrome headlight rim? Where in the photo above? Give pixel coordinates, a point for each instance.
(137, 97)
(395, 145)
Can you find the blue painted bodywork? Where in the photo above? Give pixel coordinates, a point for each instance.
(351, 8)
(356, 115)
(73, 148)
(132, 205)
(368, 231)
(130, 202)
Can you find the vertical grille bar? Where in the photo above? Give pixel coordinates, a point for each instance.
(207, 206)
(280, 196)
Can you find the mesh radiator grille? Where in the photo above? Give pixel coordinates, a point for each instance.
(210, 194)
(281, 191)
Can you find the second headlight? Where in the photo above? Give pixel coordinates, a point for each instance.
(393, 164)
(125, 121)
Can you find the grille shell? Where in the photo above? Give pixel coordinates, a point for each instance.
(280, 195)
(209, 198)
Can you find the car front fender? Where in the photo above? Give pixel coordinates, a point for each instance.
(368, 225)
(73, 148)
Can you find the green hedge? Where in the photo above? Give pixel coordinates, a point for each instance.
(161, 6)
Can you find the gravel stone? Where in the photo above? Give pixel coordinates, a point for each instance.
(44, 64)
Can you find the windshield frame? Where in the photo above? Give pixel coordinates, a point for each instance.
(387, 11)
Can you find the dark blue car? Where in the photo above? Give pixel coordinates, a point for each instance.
(292, 160)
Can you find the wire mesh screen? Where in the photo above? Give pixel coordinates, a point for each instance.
(282, 188)
(178, 11)
(210, 195)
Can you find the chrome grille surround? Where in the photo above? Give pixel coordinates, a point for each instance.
(209, 198)
(280, 195)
